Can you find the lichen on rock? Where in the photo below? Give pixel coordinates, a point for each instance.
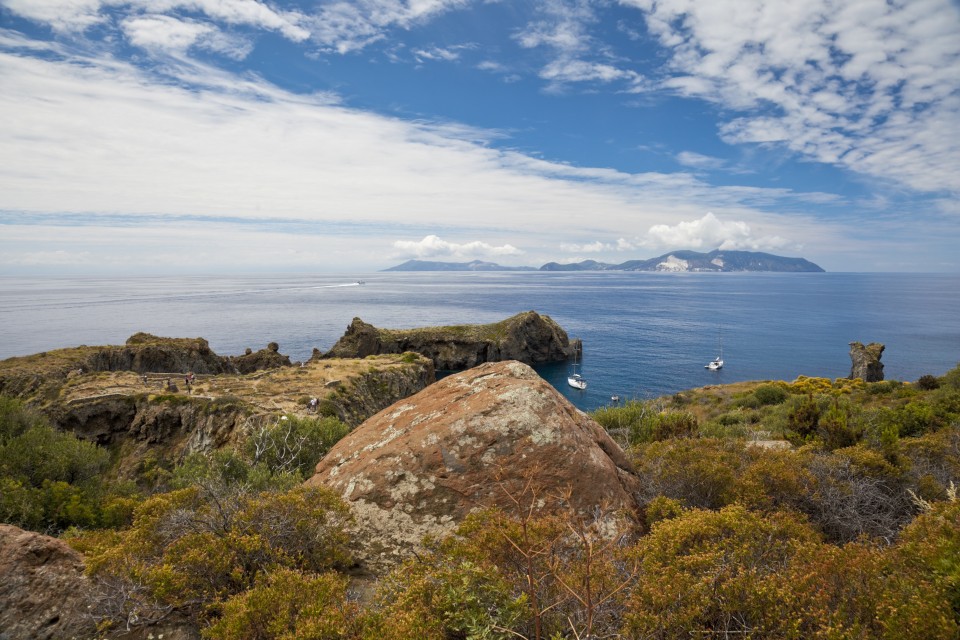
(464, 443)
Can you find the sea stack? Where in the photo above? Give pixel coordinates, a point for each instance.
(865, 361)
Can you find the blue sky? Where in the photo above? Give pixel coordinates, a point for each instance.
(211, 136)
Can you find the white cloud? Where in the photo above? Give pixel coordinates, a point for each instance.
(435, 247)
(709, 232)
(444, 54)
(244, 12)
(240, 150)
(591, 247)
(61, 15)
(77, 15)
(866, 84)
(351, 26)
(160, 33)
(699, 161)
(564, 70)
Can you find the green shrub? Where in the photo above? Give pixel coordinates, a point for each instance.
(928, 383)
(294, 444)
(287, 603)
(674, 424)
(803, 416)
(836, 428)
(192, 549)
(770, 394)
(49, 480)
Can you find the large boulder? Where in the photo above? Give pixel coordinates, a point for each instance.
(528, 337)
(469, 441)
(43, 591)
(865, 361)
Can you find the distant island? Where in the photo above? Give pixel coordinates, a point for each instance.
(675, 261)
(474, 265)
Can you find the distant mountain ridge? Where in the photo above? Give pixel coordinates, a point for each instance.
(474, 265)
(675, 262)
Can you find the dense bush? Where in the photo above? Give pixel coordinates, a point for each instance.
(191, 549)
(292, 444)
(290, 604)
(50, 480)
(770, 394)
(638, 422)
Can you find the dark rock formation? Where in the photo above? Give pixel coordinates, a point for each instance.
(145, 353)
(866, 361)
(420, 466)
(527, 337)
(43, 590)
(269, 358)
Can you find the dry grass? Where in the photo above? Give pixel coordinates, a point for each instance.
(277, 390)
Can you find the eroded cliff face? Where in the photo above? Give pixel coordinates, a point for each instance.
(865, 361)
(527, 337)
(164, 416)
(471, 440)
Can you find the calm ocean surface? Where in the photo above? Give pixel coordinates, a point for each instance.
(644, 334)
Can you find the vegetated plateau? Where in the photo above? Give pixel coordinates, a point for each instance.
(467, 508)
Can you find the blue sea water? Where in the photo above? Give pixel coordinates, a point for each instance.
(644, 334)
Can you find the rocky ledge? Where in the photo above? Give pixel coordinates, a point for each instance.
(527, 337)
(472, 440)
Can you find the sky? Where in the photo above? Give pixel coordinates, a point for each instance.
(245, 136)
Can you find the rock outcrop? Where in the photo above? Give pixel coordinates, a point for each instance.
(145, 353)
(467, 442)
(269, 358)
(43, 589)
(527, 337)
(865, 361)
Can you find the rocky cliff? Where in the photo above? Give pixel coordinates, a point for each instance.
(527, 337)
(469, 441)
(865, 361)
(160, 415)
(43, 590)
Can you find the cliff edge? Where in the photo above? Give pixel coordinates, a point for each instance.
(527, 337)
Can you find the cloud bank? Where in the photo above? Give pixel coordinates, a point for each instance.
(433, 246)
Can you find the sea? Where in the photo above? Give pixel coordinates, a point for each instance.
(644, 334)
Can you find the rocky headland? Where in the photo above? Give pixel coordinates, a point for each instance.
(137, 398)
(527, 337)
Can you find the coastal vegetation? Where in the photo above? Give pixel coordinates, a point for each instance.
(814, 508)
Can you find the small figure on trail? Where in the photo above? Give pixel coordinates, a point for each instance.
(313, 404)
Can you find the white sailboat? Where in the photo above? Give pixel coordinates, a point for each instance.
(575, 380)
(717, 363)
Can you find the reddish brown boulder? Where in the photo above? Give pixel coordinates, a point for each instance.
(466, 442)
(43, 591)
